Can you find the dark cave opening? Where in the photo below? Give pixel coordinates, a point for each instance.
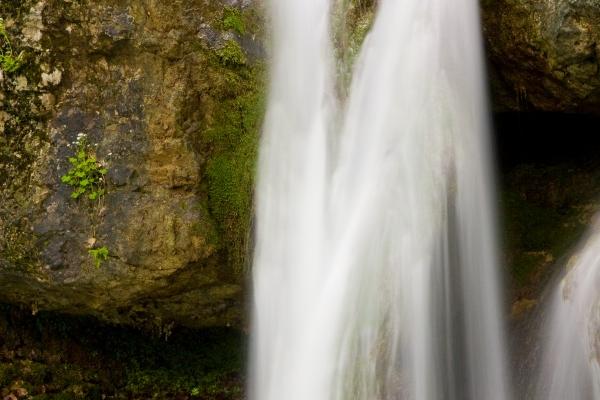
(546, 138)
(549, 190)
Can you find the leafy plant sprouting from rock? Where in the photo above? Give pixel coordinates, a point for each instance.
(99, 255)
(86, 175)
(8, 61)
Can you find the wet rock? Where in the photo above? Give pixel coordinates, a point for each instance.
(51, 79)
(151, 96)
(544, 55)
(120, 175)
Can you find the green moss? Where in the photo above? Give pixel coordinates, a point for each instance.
(232, 19)
(9, 62)
(231, 171)
(231, 137)
(232, 54)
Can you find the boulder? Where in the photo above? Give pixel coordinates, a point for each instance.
(544, 55)
(166, 96)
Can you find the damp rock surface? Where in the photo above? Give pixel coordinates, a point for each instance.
(171, 117)
(544, 55)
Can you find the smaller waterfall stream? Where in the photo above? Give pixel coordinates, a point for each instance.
(571, 360)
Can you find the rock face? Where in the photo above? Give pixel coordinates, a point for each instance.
(168, 96)
(544, 55)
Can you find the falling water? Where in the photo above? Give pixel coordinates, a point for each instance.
(375, 263)
(571, 361)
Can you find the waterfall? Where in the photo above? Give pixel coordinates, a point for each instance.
(571, 359)
(375, 267)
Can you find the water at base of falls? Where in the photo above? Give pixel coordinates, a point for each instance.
(375, 266)
(570, 366)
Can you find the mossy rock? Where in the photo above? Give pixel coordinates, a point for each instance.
(160, 107)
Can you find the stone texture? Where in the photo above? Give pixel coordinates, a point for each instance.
(544, 54)
(138, 78)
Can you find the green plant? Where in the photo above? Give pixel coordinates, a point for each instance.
(232, 54)
(99, 255)
(86, 174)
(8, 61)
(232, 19)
